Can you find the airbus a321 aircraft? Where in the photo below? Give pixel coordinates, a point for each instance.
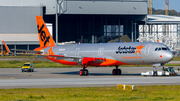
(102, 54)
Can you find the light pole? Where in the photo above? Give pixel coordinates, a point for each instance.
(135, 32)
(61, 11)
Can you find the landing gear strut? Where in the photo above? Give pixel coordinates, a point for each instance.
(116, 71)
(155, 71)
(84, 71)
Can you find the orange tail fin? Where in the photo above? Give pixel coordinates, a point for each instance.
(45, 38)
(7, 49)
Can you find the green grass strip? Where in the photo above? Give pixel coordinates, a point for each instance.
(37, 64)
(141, 93)
(176, 59)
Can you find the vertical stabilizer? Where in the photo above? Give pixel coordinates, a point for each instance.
(45, 38)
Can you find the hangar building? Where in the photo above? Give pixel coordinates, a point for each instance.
(77, 19)
(85, 21)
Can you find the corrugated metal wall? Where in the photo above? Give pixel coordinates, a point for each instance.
(50, 4)
(18, 16)
(85, 6)
(19, 19)
(118, 7)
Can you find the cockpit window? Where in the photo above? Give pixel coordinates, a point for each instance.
(163, 48)
(159, 49)
(156, 49)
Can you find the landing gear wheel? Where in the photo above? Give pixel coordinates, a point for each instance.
(116, 71)
(83, 72)
(155, 73)
(86, 72)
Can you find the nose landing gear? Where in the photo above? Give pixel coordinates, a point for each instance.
(155, 71)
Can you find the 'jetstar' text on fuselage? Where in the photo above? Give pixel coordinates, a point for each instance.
(125, 50)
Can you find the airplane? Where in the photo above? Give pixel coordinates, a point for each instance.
(101, 54)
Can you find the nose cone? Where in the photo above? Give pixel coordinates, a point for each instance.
(169, 56)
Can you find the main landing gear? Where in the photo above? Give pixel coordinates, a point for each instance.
(116, 71)
(84, 71)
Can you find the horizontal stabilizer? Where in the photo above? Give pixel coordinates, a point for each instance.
(30, 51)
(26, 54)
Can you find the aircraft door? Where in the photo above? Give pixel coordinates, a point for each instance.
(101, 51)
(77, 52)
(147, 48)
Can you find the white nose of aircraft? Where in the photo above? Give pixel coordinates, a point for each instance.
(169, 56)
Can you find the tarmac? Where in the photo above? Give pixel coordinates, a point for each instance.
(69, 77)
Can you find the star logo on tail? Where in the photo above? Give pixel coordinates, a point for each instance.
(138, 49)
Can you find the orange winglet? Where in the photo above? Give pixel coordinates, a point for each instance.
(7, 49)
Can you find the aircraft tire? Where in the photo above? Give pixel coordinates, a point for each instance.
(81, 72)
(114, 71)
(86, 72)
(118, 71)
(155, 74)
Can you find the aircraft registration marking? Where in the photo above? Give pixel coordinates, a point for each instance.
(61, 49)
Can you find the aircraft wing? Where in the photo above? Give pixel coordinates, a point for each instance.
(80, 59)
